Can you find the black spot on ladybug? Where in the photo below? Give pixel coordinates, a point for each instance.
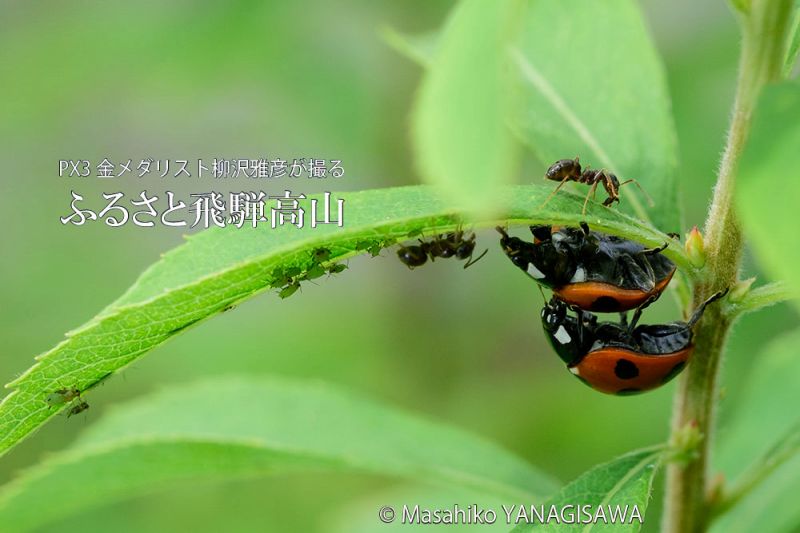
(628, 392)
(674, 372)
(606, 304)
(625, 369)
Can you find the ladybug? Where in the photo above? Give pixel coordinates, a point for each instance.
(620, 358)
(591, 270)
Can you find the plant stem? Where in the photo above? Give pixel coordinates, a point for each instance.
(761, 61)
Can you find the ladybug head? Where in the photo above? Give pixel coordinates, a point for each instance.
(542, 261)
(562, 331)
(564, 169)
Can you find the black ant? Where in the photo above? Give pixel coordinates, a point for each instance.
(565, 170)
(451, 244)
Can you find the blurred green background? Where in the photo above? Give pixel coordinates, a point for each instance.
(188, 80)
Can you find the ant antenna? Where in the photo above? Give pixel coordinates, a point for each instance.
(649, 198)
(473, 261)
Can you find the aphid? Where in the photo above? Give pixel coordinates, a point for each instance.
(289, 289)
(320, 255)
(373, 247)
(314, 272)
(62, 396)
(336, 268)
(78, 408)
(565, 170)
(620, 358)
(284, 276)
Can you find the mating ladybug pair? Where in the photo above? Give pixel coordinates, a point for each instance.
(591, 271)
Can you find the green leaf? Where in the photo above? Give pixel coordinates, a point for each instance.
(602, 96)
(459, 131)
(241, 427)
(758, 449)
(793, 44)
(420, 49)
(222, 266)
(623, 484)
(767, 195)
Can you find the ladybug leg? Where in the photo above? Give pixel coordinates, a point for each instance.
(653, 251)
(623, 318)
(585, 229)
(698, 313)
(579, 314)
(638, 313)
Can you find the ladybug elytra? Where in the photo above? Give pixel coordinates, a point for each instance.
(591, 270)
(620, 358)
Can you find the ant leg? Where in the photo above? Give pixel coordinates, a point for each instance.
(473, 261)
(555, 191)
(676, 236)
(586, 201)
(649, 198)
(426, 249)
(702, 307)
(608, 184)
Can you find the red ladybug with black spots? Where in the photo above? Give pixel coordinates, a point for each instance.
(591, 270)
(620, 358)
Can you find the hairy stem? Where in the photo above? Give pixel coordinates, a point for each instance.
(687, 508)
